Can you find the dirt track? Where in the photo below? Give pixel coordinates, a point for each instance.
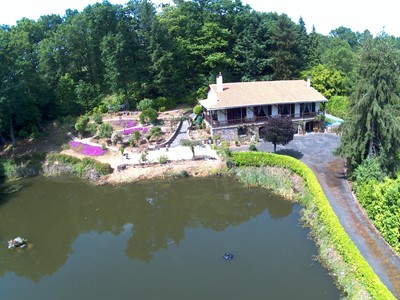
(315, 150)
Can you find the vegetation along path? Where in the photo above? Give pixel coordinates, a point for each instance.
(316, 150)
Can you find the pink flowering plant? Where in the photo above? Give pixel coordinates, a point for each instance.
(128, 131)
(87, 149)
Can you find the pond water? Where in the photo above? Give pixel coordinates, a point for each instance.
(156, 240)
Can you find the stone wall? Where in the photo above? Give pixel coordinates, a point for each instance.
(226, 134)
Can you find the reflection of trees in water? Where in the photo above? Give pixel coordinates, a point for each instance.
(53, 214)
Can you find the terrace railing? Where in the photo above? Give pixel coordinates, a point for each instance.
(257, 120)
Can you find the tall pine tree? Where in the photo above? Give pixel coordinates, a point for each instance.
(372, 128)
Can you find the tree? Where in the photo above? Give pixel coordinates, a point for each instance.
(278, 130)
(148, 115)
(327, 81)
(371, 129)
(192, 144)
(286, 55)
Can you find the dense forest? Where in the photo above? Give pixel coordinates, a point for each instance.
(112, 55)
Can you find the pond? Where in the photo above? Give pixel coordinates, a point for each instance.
(156, 240)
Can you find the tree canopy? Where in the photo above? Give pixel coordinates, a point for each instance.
(78, 63)
(372, 126)
(278, 131)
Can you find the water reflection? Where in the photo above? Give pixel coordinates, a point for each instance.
(52, 214)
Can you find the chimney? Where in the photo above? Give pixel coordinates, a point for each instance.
(308, 81)
(220, 84)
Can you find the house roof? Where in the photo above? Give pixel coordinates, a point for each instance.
(240, 94)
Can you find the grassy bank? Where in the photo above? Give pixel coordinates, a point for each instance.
(351, 271)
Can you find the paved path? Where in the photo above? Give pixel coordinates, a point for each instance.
(183, 134)
(315, 150)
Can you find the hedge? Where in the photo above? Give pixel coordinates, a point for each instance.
(325, 216)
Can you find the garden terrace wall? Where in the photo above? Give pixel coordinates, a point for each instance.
(325, 216)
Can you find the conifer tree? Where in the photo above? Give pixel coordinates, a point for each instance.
(372, 128)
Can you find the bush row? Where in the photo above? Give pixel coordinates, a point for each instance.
(381, 201)
(325, 217)
(82, 166)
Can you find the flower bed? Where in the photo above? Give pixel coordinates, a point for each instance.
(87, 149)
(131, 130)
(124, 123)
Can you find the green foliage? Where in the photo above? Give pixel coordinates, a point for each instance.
(8, 169)
(368, 170)
(328, 223)
(198, 109)
(278, 131)
(381, 201)
(98, 118)
(136, 135)
(91, 128)
(327, 81)
(80, 167)
(145, 104)
(371, 128)
(338, 106)
(191, 144)
(105, 130)
(149, 115)
(81, 124)
(252, 147)
(276, 179)
(163, 159)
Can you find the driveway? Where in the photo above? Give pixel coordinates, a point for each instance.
(316, 151)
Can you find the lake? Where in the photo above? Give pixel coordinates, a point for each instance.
(156, 240)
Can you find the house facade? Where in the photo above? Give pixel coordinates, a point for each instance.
(240, 108)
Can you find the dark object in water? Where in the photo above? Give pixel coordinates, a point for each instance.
(228, 256)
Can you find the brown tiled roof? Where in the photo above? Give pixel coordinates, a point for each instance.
(240, 94)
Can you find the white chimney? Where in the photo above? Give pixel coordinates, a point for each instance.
(309, 81)
(220, 84)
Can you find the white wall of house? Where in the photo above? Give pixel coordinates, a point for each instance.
(317, 106)
(249, 113)
(222, 115)
(274, 110)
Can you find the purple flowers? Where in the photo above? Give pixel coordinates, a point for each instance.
(130, 130)
(87, 149)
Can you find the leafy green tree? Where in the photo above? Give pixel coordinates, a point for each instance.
(105, 130)
(191, 144)
(371, 129)
(338, 106)
(145, 104)
(148, 115)
(279, 130)
(81, 124)
(327, 81)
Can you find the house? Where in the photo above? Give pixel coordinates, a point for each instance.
(241, 108)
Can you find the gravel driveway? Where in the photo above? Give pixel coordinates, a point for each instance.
(316, 151)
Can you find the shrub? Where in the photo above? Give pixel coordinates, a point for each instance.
(145, 104)
(163, 159)
(105, 130)
(81, 124)
(198, 110)
(252, 147)
(98, 118)
(148, 115)
(338, 106)
(92, 128)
